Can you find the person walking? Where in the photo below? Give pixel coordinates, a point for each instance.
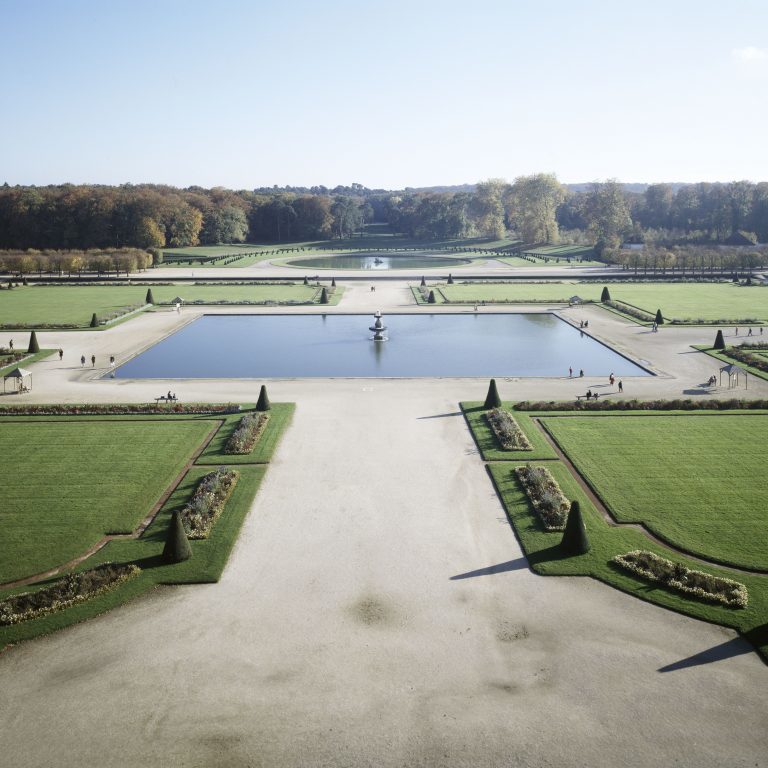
(570, 372)
(82, 360)
(93, 361)
(61, 354)
(621, 387)
(581, 373)
(10, 343)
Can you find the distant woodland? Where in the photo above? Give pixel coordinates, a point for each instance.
(533, 209)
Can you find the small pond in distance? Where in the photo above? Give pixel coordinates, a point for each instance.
(298, 346)
(377, 262)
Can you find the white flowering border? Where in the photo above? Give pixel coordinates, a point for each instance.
(734, 593)
(7, 617)
(212, 503)
(499, 420)
(550, 485)
(248, 431)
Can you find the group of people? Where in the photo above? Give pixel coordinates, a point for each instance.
(749, 331)
(584, 324)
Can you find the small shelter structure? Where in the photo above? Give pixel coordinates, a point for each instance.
(20, 378)
(733, 371)
(575, 300)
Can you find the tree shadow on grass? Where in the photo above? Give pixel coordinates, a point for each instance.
(517, 564)
(737, 646)
(152, 561)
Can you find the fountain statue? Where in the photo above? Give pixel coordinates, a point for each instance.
(377, 328)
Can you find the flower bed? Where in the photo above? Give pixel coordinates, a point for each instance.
(507, 431)
(73, 588)
(676, 576)
(247, 433)
(208, 502)
(743, 355)
(643, 405)
(545, 495)
(118, 410)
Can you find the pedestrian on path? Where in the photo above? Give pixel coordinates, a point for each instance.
(10, 343)
(570, 372)
(621, 387)
(93, 361)
(82, 360)
(581, 373)
(61, 354)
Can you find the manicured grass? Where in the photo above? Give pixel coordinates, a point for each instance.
(5, 367)
(697, 482)
(542, 551)
(489, 446)
(74, 304)
(66, 484)
(677, 301)
(280, 416)
(209, 556)
(724, 357)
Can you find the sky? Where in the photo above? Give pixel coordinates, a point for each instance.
(245, 94)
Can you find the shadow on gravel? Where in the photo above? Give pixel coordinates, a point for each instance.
(511, 565)
(727, 650)
(441, 415)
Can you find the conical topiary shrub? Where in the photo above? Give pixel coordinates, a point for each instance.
(431, 299)
(575, 540)
(150, 299)
(423, 282)
(605, 295)
(306, 281)
(176, 547)
(450, 279)
(333, 282)
(659, 318)
(719, 341)
(492, 399)
(324, 296)
(263, 404)
(94, 321)
(33, 345)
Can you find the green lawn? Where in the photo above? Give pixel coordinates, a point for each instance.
(698, 482)
(489, 445)
(74, 305)
(66, 484)
(677, 301)
(90, 498)
(542, 552)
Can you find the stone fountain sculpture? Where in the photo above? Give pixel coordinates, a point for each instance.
(378, 328)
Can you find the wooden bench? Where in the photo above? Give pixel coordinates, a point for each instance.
(165, 399)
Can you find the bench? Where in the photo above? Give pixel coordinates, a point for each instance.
(166, 399)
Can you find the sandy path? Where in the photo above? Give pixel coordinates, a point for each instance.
(337, 636)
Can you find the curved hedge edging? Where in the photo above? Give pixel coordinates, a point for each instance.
(73, 588)
(545, 496)
(208, 502)
(247, 433)
(118, 410)
(676, 576)
(732, 404)
(507, 430)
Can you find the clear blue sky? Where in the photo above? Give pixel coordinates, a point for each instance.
(388, 94)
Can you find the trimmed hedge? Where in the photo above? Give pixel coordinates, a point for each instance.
(731, 404)
(118, 410)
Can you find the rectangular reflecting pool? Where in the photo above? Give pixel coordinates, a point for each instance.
(297, 346)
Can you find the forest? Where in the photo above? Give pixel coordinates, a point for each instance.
(532, 209)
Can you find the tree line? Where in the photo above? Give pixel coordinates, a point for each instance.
(534, 209)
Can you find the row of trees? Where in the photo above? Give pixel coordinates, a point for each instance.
(536, 208)
(74, 262)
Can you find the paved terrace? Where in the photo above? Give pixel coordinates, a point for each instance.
(377, 609)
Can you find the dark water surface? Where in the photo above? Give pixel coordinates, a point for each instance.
(296, 346)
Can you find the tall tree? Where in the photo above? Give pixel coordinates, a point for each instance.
(532, 204)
